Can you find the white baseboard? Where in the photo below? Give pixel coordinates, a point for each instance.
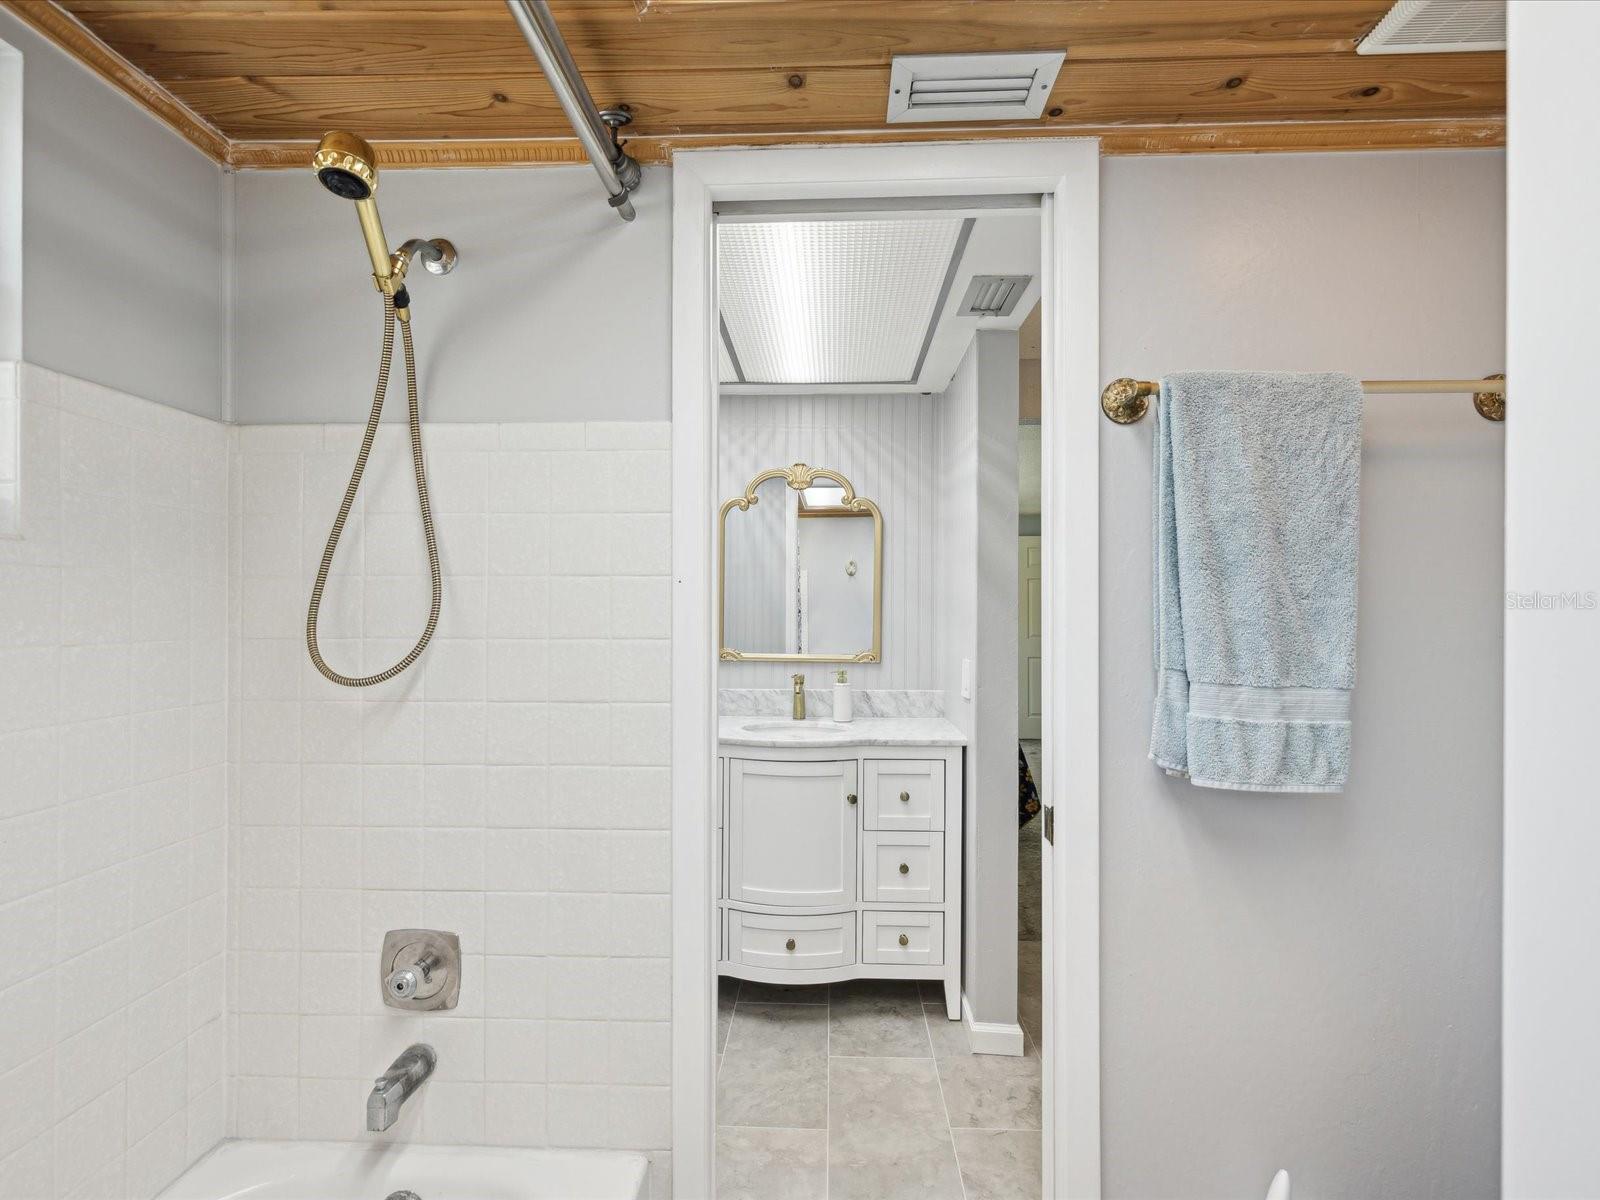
(991, 1037)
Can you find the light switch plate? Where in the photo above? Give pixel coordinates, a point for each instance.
(966, 679)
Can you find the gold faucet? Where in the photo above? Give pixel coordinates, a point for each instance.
(799, 697)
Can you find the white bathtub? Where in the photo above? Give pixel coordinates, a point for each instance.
(356, 1171)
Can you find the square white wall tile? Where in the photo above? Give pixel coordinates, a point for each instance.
(184, 779)
(512, 786)
(114, 642)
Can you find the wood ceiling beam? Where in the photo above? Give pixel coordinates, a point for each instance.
(209, 38)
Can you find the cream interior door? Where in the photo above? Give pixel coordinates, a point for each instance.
(1030, 638)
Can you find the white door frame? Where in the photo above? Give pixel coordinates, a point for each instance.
(1066, 173)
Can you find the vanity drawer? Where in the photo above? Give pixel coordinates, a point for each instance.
(902, 868)
(904, 794)
(784, 943)
(914, 939)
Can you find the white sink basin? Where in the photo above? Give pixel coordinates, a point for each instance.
(792, 726)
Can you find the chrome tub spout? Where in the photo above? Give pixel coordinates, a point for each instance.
(395, 1086)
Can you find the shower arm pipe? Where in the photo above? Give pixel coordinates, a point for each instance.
(617, 170)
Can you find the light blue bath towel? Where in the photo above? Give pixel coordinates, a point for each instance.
(1257, 498)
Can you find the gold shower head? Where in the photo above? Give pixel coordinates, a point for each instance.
(346, 165)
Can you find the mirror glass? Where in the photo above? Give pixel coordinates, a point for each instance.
(802, 569)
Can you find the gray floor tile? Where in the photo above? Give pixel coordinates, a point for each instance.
(1000, 1164)
(887, 1136)
(947, 1036)
(879, 1021)
(990, 1091)
(772, 1164)
(775, 1070)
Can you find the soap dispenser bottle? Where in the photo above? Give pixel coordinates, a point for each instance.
(843, 707)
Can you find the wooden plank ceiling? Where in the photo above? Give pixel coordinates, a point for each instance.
(452, 82)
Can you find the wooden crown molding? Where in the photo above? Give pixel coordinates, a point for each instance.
(1230, 138)
(51, 21)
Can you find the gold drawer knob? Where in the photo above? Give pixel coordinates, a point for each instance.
(904, 869)
(789, 945)
(904, 940)
(905, 797)
(851, 797)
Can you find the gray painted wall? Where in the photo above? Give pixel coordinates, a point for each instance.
(559, 311)
(1314, 982)
(978, 574)
(124, 239)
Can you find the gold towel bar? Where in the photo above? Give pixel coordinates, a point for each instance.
(1127, 400)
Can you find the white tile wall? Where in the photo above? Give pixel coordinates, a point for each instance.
(513, 786)
(113, 657)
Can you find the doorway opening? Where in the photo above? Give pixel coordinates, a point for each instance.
(844, 895)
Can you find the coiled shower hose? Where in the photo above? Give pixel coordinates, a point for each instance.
(390, 320)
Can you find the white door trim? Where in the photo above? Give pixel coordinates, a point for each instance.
(1066, 173)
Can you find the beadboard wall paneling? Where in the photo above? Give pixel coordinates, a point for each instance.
(888, 447)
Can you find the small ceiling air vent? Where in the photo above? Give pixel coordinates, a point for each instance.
(993, 295)
(1438, 27)
(971, 87)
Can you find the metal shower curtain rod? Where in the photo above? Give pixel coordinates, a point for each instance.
(596, 130)
(1127, 400)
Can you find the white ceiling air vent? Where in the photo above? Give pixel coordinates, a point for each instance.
(971, 87)
(1438, 27)
(993, 295)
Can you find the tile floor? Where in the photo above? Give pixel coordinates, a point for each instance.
(865, 1091)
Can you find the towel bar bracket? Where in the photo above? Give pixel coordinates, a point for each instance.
(1127, 400)
(1491, 406)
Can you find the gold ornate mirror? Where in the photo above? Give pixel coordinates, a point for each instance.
(800, 570)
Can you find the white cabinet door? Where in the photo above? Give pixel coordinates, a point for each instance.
(791, 833)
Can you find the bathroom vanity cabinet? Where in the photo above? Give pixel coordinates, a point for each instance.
(840, 851)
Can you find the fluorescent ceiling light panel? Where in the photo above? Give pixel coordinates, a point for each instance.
(972, 87)
(831, 301)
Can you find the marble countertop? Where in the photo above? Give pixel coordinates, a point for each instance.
(785, 733)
